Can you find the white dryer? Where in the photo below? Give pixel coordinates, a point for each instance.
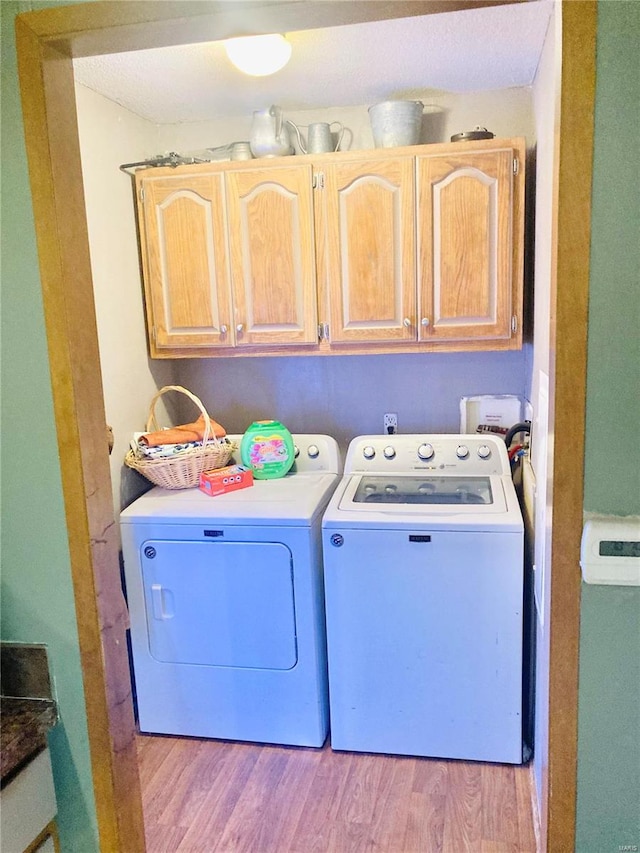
(423, 556)
(226, 605)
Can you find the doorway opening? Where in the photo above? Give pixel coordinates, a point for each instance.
(46, 40)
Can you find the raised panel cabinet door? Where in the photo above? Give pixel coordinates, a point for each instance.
(271, 242)
(370, 250)
(185, 262)
(465, 237)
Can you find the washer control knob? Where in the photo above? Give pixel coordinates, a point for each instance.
(426, 451)
(368, 452)
(389, 452)
(484, 451)
(296, 451)
(314, 451)
(462, 451)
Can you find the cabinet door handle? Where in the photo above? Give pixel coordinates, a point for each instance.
(406, 322)
(223, 329)
(239, 327)
(424, 321)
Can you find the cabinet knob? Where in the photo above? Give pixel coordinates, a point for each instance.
(424, 321)
(223, 329)
(239, 327)
(406, 322)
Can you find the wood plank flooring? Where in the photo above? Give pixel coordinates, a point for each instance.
(206, 796)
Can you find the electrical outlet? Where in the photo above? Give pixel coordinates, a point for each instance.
(390, 423)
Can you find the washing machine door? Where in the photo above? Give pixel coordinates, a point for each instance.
(228, 604)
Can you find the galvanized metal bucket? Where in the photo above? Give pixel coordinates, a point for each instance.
(395, 123)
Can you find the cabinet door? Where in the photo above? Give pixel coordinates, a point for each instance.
(370, 260)
(465, 236)
(185, 263)
(271, 242)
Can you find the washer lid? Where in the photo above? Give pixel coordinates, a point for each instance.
(428, 495)
(501, 515)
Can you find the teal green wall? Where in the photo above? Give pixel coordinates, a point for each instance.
(609, 698)
(37, 596)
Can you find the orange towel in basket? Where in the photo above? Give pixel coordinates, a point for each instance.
(183, 434)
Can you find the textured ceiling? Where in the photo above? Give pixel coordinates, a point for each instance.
(465, 51)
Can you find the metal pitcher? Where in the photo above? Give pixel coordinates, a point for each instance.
(319, 137)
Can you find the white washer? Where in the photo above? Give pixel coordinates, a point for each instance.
(423, 557)
(226, 605)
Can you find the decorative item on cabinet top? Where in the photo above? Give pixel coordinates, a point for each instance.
(229, 151)
(172, 159)
(336, 253)
(470, 135)
(319, 137)
(395, 123)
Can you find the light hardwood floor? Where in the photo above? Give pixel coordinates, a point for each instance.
(206, 795)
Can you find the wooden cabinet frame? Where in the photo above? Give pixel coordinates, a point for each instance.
(355, 238)
(46, 40)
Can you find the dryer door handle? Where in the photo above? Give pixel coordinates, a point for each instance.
(162, 602)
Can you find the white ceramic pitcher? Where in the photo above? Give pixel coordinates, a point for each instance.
(269, 134)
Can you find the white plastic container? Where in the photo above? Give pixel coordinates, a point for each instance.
(498, 410)
(395, 123)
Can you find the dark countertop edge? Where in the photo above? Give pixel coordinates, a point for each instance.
(24, 724)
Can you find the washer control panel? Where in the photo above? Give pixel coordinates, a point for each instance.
(473, 454)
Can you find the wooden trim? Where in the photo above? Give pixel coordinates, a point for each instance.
(44, 41)
(47, 87)
(570, 290)
(112, 26)
(330, 348)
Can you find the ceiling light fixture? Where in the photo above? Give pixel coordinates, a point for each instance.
(259, 55)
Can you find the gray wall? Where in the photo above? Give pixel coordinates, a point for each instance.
(346, 396)
(609, 700)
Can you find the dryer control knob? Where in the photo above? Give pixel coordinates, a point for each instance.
(314, 451)
(426, 451)
(368, 452)
(389, 452)
(484, 451)
(296, 451)
(462, 451)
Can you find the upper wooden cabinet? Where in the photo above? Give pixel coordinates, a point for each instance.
(228, 258)
(184, 259)
(467, 252)
(272, 258)
(370, 246)
(409, 249)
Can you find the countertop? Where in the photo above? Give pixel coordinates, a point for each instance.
(25, 723)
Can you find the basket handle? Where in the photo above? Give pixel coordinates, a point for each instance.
(152, 423)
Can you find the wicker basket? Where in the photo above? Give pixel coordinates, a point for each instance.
(181, 471)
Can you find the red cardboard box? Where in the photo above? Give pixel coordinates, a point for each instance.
(222, 480)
